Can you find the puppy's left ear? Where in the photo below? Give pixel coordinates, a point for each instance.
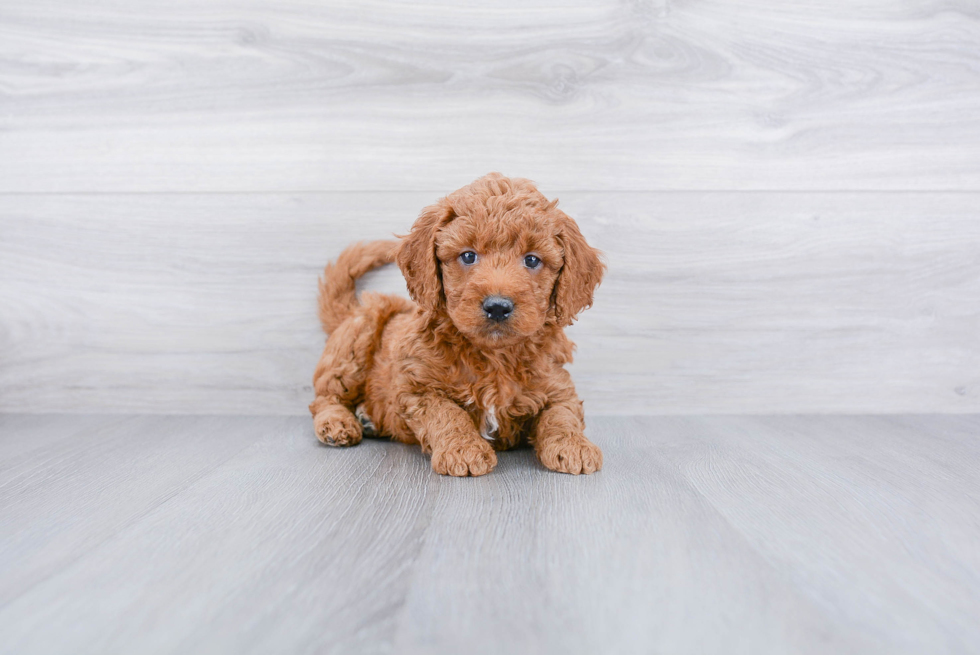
(580, 273)
(417, 255)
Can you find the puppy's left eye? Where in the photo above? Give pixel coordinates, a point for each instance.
(532, 261)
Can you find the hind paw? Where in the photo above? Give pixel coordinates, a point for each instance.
(337, 426)
(368, 428)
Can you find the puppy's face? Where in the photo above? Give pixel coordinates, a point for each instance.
(498, 274)
(500, 261)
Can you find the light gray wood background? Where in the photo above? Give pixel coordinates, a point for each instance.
(787, 194)
(727, 534)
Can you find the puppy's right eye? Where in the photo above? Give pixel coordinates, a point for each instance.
(468, 258)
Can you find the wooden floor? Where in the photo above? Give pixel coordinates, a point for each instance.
(160, 534)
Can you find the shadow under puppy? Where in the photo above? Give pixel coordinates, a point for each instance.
(477, 362)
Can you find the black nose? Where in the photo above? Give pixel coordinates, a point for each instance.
(498, 308)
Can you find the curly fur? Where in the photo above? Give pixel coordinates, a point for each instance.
(438, 372)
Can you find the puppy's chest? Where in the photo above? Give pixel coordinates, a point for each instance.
(500, 407)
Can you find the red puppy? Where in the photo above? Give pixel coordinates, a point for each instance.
(476, 363)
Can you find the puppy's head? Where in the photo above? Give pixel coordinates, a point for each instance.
(500, 260)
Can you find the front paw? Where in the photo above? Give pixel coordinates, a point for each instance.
(569, 453)
(462, 458)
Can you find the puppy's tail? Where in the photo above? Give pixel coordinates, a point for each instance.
(337, 286)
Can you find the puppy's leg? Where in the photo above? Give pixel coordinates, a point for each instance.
(339, 382)
(446, 431)
(560, 443)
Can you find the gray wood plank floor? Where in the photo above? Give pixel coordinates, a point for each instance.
(181, 534)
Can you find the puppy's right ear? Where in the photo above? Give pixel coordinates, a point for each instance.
(417, 255)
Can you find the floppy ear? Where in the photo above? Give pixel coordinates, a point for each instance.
(417, 255)
(580, 273)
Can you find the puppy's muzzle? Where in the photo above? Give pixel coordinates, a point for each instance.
(498, 308)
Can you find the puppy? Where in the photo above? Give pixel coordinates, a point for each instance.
(476, 363)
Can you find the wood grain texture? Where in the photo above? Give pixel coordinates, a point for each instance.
(246, 96)
(69, 483)
(702, 534)
(714, 302)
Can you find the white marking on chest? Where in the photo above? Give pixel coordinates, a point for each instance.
(489, 426)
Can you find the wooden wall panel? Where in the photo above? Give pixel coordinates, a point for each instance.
(248, 95)
(714, 302)
(787, 193)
